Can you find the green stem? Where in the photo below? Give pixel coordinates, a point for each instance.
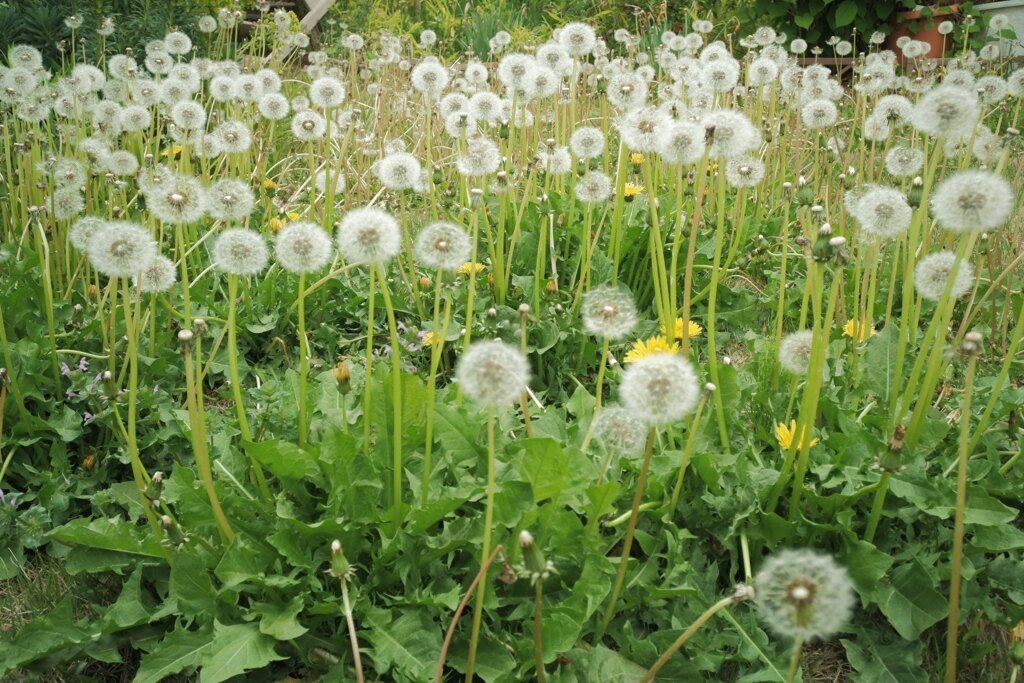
(303, 362)
(627, 543)
(538, 633)
(396, 400)
(488, 521)
(952, 623)
(685, 636)
(236, 384)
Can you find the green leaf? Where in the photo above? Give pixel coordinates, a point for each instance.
(909, 602)
(285, 459)
(410, 643)
(190, 586)
(129, 610)
(846, 12)
(109, 534)
(865, 563)
(241, 562)
(544, 466)
(982, 509)
(178, 651)
(236, 648)
(280, 622)
(42, 637)
(892, 663)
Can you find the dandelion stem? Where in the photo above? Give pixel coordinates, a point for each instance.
(351, 630)
(627, 543)
(952, 624)
(538, 633)
(481, 594)
(686, 635)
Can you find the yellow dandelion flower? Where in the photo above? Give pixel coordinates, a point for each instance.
(857, 330)
(1018, 632)
(785, 435)
(693, 329)
(430, 339)
(466, 268)
(636, 158)
(642, 347)
(630, 192)
(712, 167)
(174, 151)
(277, 223)
(292, 216)
(269, 184)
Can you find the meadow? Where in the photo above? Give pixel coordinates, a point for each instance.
(629, 357)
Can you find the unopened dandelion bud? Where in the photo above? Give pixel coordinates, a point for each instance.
(1012, 131)
(971, 344)
(825, 229)
(710, 388)
(335, 547)
(185, 338)
(492, 312)
(166, 521)
(726, 360)
(523, 311)
(200, 327)
(837, 241)
(155, 487)
(426, 282)
(551, 287)
(559, 308)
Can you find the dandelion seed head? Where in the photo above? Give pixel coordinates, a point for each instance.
(593, 187)
(481, 157)
(158, 276)
(308, 125)
(795, 351)
(619, 430)
(177, 200)
(946, 111)
(369, 235)
(883, 212)
(326, 92)
(430, 78)
(932, 274)
(803, 595)
(819, 113)
(608, 312)
(229, 199)
(660, 388)
(303, 247)
(399, 171)
(120, 248)
(972, 200)
(240, 252)
(444, 246)
(493, 373)
(273, 106)
(577, 38)
(904, 161)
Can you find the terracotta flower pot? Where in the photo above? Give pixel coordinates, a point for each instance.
(927, 29)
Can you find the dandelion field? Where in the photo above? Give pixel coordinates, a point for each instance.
(577, 361)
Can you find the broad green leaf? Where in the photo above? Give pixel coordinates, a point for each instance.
(44, 636)
(544, 466)
(982, 509)
(865, 563)
(893, 663)
(280, 622)
(909, 602)
(285, 459)
(190, 585)
(241, 562)
(111, 533)
(129, 610)
(846, 12)
(235, 649)
(178, 651)
(408, 644)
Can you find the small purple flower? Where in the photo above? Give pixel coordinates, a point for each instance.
(83, 364)
(156, 388)
(65, 370)
(87, 418)
(71, 394)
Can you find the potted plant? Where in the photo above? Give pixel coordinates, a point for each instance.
(922, 23)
